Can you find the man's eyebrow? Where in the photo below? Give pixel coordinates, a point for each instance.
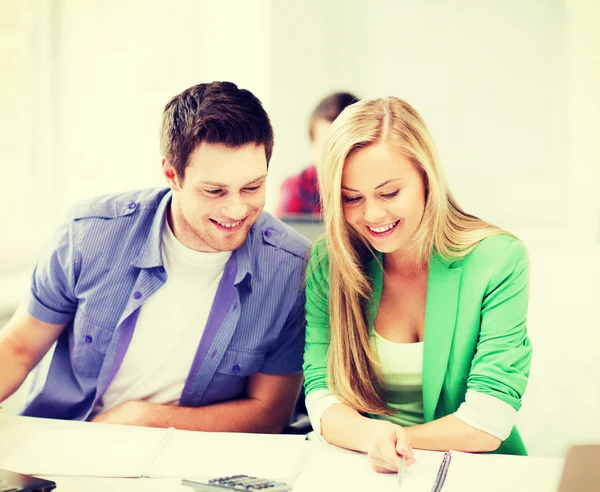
(377, 187)
(256, 180)
(223, 185)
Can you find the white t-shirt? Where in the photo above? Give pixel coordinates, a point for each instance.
(169, 327)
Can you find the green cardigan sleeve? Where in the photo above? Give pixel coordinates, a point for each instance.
(502, 360)
(317, 319)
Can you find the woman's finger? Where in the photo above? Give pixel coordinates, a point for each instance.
(381, 466)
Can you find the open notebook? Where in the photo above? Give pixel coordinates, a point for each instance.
(122, 451)
(466, 473)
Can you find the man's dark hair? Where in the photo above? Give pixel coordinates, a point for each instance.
(330, 108)
(218, 112)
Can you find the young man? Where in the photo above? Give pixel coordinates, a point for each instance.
(175, 307)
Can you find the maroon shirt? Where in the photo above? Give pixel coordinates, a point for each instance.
(300, 194)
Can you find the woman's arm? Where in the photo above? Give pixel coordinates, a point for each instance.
(385, 443)
(451, 433)
(345, 427)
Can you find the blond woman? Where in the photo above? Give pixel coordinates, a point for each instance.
(416, 332)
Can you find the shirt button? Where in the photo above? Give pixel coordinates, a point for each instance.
(88, 339)
(236, 369)
(137, 295)
(132, 205)
(269, 232)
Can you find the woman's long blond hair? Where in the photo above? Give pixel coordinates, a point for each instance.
(445, 228)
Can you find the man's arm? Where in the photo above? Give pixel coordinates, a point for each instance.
(267, 408)
(23, 343)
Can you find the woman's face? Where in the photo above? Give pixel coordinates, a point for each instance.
(383, 196)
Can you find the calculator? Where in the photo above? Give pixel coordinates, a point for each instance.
(238, 482)
(16, 482)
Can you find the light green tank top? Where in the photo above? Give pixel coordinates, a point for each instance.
(402, 371)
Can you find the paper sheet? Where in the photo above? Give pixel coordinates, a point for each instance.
(123, 451)
(210, 454)
(421, 476)
(333, 468)
(474, 472)
(96, 451)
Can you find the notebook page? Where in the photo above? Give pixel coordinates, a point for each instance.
(86, 451)
(333, 468)
(500, 473)
(421, 476)
(188, 454)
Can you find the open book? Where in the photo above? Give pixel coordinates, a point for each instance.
(122, 451)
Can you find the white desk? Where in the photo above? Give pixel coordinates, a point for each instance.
(329, 469)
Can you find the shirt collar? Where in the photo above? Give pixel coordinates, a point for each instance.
(150, 255)
(244, 259)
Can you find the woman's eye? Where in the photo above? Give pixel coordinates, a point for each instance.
(392, 194)
(350, 199)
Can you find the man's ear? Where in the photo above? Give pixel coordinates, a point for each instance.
(170, 175)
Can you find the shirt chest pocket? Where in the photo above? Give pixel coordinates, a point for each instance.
(90, 343)
(241, 363)
(229, 379)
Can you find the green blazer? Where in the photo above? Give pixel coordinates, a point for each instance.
(475, 329)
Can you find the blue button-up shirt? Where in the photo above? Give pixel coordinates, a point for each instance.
(105, 262)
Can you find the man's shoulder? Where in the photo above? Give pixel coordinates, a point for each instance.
(112, 206)
(270, 232)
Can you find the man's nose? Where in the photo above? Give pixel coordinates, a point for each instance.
(236, 210)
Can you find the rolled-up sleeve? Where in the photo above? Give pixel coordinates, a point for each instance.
(502, 360)
(488, 414)
(52, 298)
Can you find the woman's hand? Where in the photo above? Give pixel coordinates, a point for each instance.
(389, 447)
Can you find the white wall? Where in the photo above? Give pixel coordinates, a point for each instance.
(583, 156)
(17, 119)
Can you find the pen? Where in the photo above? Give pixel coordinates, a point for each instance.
(401, 470)
(442, 472)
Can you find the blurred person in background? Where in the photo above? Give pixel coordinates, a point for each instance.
(299, 194)
(416, 310)
(174, 307)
